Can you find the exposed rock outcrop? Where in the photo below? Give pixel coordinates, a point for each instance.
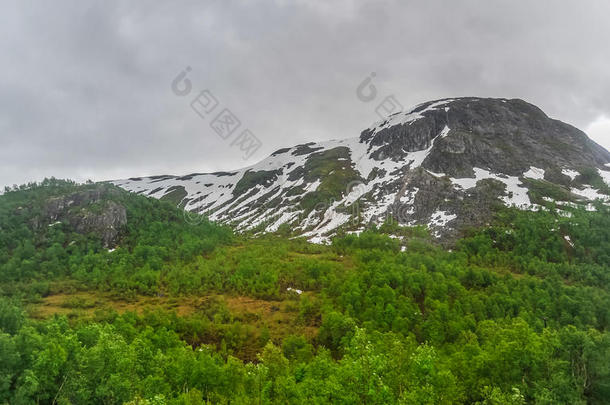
(90, 211)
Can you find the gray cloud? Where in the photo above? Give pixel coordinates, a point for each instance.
(85, 86)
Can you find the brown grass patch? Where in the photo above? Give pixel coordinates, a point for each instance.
(280, 318)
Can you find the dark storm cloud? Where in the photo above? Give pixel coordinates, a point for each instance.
(85, 86)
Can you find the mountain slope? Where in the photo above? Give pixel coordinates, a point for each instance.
(447, 164)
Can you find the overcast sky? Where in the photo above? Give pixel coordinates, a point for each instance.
(85, 86)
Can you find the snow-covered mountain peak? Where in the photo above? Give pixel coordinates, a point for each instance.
(446, 164)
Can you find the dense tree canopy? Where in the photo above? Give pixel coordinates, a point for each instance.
(516, 313)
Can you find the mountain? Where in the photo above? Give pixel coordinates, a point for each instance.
(448, 164)
(110, 297)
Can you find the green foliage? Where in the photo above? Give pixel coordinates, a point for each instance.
(368, 240)
(174, 195)
(542, 188)
(591, 177)
(333, 170)
(32, 247)
(517, 313)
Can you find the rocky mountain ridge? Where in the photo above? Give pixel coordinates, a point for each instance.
(447, 164)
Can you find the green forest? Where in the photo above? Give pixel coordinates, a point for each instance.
(189, 312)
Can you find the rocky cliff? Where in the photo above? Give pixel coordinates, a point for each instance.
(88, 211)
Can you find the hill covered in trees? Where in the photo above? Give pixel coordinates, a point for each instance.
(113, 298)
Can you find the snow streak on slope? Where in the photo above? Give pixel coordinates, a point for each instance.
(516, 193)
(318, 188)
(401, 118)
(215, 193)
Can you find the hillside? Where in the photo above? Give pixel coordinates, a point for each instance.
(447, 164)
(111, 297)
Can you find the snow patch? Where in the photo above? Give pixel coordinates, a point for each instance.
(285, 217)
(590, 193)
(437, 175)
(402, 118)
(312, 186)
(534, 173)
(570, 173)
(441, 218)
(516, 193)
(320, 240)
(604, 175)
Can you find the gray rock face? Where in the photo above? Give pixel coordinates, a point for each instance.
(507, 136)
(448, 164)
(87, 212)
